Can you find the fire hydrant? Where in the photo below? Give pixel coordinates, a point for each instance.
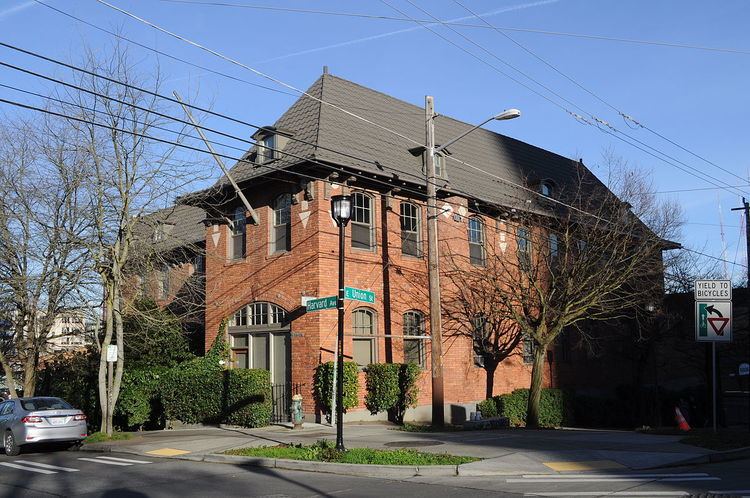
(297, 411)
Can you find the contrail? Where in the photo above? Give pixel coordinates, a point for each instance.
(16, 8)
(408, 30)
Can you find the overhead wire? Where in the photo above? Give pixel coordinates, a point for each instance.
(467, 25)
(696, 172)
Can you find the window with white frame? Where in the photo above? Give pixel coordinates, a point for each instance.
(410, 229)
(523, 241)
(364, 341)
(258, 313)
(545, 188)
(238, 234)
(554, 246)
(267, 149)
(363, 222)
(259, 338)
(281, 236)
(414, 347)
(439, 162)
(476, 241)
(529, 349)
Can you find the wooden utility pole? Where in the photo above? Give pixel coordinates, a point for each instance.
(433, 269)
(746, 208)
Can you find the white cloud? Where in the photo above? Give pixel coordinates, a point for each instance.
(15, 9)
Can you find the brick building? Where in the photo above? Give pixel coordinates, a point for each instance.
(260, 272)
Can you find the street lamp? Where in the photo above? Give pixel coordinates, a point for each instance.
(341, 210)
(433, 267)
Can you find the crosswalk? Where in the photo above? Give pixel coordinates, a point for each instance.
(580, 484)
(46, 468)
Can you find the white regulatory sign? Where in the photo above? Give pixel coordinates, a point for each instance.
(112, 353)
(713, 321)
(713, 290)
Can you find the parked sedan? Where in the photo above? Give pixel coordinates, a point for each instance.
(39, 420)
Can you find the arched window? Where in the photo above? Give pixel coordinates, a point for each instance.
(259, 338)
(363, 222)
(546, 188)
(281, 239)
(410, 229)
(364, 341)
(238, 234)
(414, 348)
(476, 241)
(523, 239)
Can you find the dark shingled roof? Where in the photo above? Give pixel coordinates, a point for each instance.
(182, 226)
(330, 128)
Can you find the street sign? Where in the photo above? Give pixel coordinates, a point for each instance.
(323, 303)
(112, 353)
(713, 290)
(713, 321)
(744, 369)
(359, 295)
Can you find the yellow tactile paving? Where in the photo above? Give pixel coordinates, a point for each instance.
(167, 452)
(583, 466)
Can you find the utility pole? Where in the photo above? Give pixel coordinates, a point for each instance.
(436, 327)
(746, 207)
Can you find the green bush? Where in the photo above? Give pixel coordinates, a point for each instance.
(381, 382)
(324, 385)
(203, 391)
(73, 376)
(488, 408)
(248, 397)
(555, 407)
(391, 387)
(139, 404)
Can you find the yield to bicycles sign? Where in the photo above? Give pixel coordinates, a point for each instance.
(713, 321)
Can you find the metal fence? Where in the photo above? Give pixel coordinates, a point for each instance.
(282, 401)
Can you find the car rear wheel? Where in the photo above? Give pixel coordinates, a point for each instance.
(11, 447)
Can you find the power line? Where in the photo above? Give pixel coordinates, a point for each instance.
(696, 189)
(713, 257)
(590, 92)
(697, 172)
(468, 25)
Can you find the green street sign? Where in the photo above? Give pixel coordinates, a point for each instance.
(359, 295)
(323, 303)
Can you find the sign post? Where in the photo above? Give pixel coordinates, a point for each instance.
(713, 320)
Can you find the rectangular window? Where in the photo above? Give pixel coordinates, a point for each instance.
(439, 166)
(282, 223)
(266, 149)
(528, 349)
(363, 226)
(414, 348)
(410, 230)
(238, 235)
(524, 248)
(164, 282)
(476, 241)
(554, 247)
(363, 327)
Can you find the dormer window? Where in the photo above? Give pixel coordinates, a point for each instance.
(439, 166)
(545, 188)
(267, 148)
(158, 233)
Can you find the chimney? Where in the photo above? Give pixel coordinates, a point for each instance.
(325, 69)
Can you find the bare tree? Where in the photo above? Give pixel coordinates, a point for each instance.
(595, 258)
(131, 173)
(42, 259)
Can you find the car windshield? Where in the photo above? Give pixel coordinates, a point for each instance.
(37, 404)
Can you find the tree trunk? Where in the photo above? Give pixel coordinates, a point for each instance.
(535, 391)
(490, 368)
(104, 390)
(10, 381)
(29, 374)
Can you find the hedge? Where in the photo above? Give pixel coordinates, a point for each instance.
(248, 400)
(139, 403)
(324, 385)
(555, 407)
(392, 387)
(488, 408)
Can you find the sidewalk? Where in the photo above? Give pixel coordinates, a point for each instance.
(504, 451)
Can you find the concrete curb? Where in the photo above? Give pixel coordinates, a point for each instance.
(717, 457)
(349, 469)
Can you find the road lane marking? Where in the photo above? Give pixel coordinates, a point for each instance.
(96, 460)
(609, 493)
(731, 492)
(126, 460)
(615, 479)
(47, 466)
(29, 469)
(592, 476)
(583, 465)
(167, 452)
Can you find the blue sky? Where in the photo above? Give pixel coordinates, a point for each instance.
(696, 98)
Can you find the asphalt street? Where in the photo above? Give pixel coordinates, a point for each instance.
(66, 473)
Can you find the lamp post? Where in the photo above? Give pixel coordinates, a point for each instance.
(433, 268)
(341, 210)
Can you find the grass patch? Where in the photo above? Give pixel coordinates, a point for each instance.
(324, 451)
(722, 440)
(101, 437)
